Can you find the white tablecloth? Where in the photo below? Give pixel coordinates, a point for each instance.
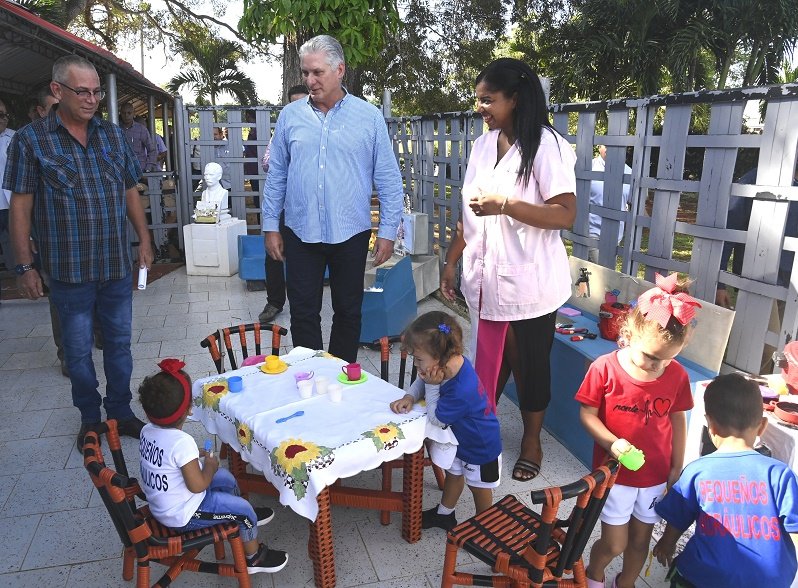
(307, 453)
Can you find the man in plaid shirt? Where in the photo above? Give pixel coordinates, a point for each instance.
(73, 183)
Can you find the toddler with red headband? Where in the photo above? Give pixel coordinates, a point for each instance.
(182, 493)
(636, 398)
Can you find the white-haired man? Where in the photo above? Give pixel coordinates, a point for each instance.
(327, 153)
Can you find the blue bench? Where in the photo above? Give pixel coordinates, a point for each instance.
(251, 257)
(386, 313)
(569, 363)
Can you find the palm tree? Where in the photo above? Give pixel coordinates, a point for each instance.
(215, 70)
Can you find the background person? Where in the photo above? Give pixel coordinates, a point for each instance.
(5, 195)
(44, 101)
(519, 191)
(597, 197)
(275, 269)
(140, 139)
(327, 154)
(89, 262)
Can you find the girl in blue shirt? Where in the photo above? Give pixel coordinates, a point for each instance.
(436, 342)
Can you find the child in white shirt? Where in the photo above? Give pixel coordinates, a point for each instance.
(183, 494)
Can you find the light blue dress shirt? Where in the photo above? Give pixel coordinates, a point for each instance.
(323, 168)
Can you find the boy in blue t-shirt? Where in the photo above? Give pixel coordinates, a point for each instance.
(745, 505)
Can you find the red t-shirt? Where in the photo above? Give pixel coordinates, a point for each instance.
(638, 412)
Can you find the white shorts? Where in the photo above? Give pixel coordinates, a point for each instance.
(484, 476)
(625, 501)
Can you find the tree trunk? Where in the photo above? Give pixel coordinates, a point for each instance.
(292, 75)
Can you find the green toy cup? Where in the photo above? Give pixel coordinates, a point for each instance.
(633, 459)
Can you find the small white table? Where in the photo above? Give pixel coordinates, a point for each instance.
(303, 447)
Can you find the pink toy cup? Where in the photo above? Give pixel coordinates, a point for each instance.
(352, 372)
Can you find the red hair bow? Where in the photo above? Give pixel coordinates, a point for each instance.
(170, 365)
(660, 303)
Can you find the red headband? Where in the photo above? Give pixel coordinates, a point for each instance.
(660, 303)
(172, 367)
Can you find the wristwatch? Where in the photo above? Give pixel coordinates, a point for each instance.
(21, 268)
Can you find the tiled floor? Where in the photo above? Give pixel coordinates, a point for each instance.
(57, 532)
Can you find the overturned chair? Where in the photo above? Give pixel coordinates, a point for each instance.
(526, 548)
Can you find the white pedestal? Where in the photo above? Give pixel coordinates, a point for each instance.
(212, 250)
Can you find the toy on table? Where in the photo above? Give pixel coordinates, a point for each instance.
(629, 456)
(298, 413)
(583, 337)
(571, 331)
(583, 283)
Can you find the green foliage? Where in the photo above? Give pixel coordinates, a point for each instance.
(361, 26)
(600, 49)
(118, 23)
(215, 69)
(429, 63)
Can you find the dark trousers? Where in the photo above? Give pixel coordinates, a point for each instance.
(275, 275)
(305, 263)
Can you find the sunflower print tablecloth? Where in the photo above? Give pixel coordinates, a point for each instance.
(328, 441)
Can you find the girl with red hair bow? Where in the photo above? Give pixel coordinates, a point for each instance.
(636, 398)
(183, 493)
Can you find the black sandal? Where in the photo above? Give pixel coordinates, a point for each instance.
(525, 466)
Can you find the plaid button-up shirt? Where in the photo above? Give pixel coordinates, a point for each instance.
(79, 204)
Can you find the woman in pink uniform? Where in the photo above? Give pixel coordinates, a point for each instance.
(519, 191)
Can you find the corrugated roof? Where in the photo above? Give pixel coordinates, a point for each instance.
(29, 45)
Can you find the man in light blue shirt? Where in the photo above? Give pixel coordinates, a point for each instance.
(328, 152)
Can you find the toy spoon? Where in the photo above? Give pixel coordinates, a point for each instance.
(298, 413)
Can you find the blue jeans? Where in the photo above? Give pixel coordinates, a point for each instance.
(75, 304)
(223, 502)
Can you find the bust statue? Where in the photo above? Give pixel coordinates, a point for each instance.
(213, 206)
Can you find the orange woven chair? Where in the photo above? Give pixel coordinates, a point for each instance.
(211, 342)
(389, 466)
(530, 549)
(145, 540)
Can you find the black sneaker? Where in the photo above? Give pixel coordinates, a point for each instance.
(130, 427)
(431, 518)
(85, 428)
(265, 515)
(268, 313)
(266, 560)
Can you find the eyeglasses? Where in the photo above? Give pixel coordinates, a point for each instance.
(4, 115)
(86, 94)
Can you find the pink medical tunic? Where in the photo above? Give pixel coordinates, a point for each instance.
(513, 271)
